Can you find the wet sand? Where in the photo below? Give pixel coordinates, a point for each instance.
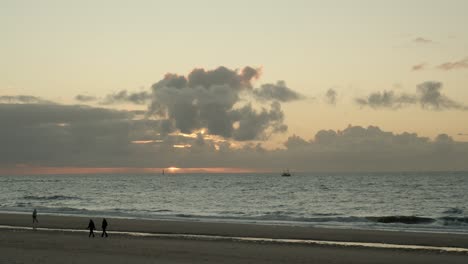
(42, 246)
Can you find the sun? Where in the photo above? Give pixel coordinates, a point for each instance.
(173, 169)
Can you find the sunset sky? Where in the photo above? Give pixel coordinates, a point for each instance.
(263, 85)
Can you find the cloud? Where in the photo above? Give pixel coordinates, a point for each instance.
(448, 66)
(23, 99)
(330, 96)
(279, 92)
(212, 100)
(386, 99)
(220, 76)
(58, 134)
(294, 142)
(428, 96)
(419, 67)
(124, 96)
(85, 98)
(79, 136)
(371, 149)
(422, 40)
(258, 125)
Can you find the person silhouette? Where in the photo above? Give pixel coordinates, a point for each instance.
(34, 217)
(91, 227)
(104, 226)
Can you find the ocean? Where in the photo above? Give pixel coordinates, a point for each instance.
(410, 201)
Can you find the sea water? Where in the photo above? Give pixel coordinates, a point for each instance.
(428, 201)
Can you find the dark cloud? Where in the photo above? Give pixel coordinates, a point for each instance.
(85, 98)
(276, 92)
(371, 149)
(23, 99)
(258, 125)
(330, 96)
(210, 99)
(295, 142)
(428, 96)
(386, 99)
(419, 67)
(57, 134)
(455, 65)
(60, 135)
(222, 76)
(422, 40)
(124, 96)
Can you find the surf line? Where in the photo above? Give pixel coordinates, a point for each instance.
(258, 239)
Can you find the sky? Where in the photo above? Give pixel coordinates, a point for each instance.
(247, 85)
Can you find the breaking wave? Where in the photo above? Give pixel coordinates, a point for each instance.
(402, 219)
(51, 197)
(451, 220)
(453, 210)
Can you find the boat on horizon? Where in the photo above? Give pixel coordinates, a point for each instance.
(286, 173)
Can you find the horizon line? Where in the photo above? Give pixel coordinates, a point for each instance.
(48, 170)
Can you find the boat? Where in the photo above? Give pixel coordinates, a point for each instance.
(286, 173)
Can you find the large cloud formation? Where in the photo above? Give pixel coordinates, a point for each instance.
(57, 134)
(428, 96)
(208, 119)
(371, 149)
(64, 135)
(212, 100)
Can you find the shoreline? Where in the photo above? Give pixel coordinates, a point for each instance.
(404, 228)
(255, 240)
(64, 239)
(372, 226)
(256, 230)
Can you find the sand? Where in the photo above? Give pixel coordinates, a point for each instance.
(45, 246)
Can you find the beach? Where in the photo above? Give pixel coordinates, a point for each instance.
(63, 239)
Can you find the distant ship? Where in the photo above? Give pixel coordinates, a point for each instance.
(286, 173)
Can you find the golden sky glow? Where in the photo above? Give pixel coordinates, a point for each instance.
(57, 50)
(355, 47)
(31, 170)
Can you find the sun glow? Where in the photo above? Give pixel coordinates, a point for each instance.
(173, 169)
(25, 169)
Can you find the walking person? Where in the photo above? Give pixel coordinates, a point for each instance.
(35, 221)
(104, 226)
(91, 227)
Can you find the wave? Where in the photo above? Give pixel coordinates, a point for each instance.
(280, 217)
(276, 217)
(453, 210)
(401, 219)
(452, 220)
(21, 204)
(51, 197)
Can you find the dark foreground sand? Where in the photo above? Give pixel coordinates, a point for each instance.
(27, 246)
